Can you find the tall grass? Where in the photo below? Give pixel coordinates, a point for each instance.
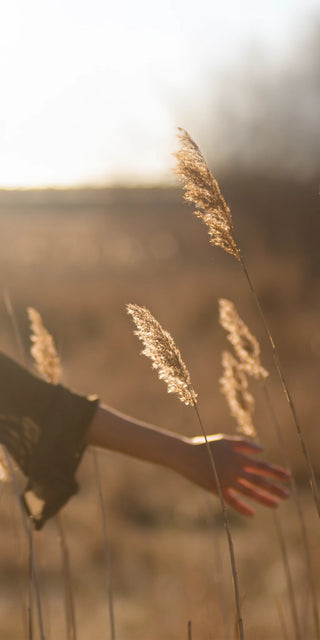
(202, 190)
(234, 385)
(160, 347)
(49, 366)
(247, 349)
(44, 353)
(106, 546)
(33, 571)
(32, 566)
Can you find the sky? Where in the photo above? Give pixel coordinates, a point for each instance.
(93, 92)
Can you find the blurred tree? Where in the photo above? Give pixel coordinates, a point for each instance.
(266, 117)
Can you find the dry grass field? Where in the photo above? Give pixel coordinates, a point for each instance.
(79, 257)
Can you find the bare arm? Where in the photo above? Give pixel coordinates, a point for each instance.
(238, 473)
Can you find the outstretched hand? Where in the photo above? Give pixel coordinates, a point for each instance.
(239, 474)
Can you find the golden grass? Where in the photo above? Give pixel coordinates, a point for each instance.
(160, 539)
(234, 386)
(245, 344)
(166, 358)
(43, 349)
(202, 189)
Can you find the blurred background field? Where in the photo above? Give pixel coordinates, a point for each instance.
(92, 94)
(79, 256)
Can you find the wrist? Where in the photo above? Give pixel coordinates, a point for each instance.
(180, 458)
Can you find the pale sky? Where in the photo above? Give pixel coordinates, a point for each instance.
(91, 91)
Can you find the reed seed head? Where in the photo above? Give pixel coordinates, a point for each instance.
(166, 358)
(234, 386)
(43, 349)
(246, 346)
(202, 189)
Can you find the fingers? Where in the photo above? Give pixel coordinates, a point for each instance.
(266, 469)
(262, 496)
(244, 487)
(245, 446)
(231, 498)
(261, 482)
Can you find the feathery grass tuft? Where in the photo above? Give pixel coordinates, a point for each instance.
(234, 385)
(48, 363)
(43, 349)
(160, 347)
(202, 189)
(244, 343)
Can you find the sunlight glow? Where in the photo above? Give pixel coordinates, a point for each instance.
(91, 92)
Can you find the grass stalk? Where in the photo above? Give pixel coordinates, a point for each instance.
(48, 364)
(282, 621)
(17, 334)
(160, 347)
(106, 546)
(202, 189)
(302, 441)
(295, 496)
(220, 584)
(286, 564)
(227, 528)
(30, 589)
(234, 384)
(189, 630)
(68, 593)
(33, 574)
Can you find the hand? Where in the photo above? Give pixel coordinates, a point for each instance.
(238, 473)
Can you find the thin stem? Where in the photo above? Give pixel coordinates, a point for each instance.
(283, 548)
(189, 630)
(17, 334)
(68, 594)
(30, 589)
(28, 531)
(33, 574)
(296, 500)
(303, 444)
(106, 546)
(220, 583)
(282, 621)
(288, 576)
(227, 528)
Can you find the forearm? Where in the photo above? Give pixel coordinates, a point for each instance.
(115, 431)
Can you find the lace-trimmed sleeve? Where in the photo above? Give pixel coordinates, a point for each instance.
(43, 427)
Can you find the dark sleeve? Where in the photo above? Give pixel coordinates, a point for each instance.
(43, 427)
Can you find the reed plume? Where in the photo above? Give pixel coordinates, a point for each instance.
(166, 358)
(10, 472)
(241, 404)
(48, 363)
(202, 189)
(43, 349)
(245, 344)
(234, 386)
(160, 347)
